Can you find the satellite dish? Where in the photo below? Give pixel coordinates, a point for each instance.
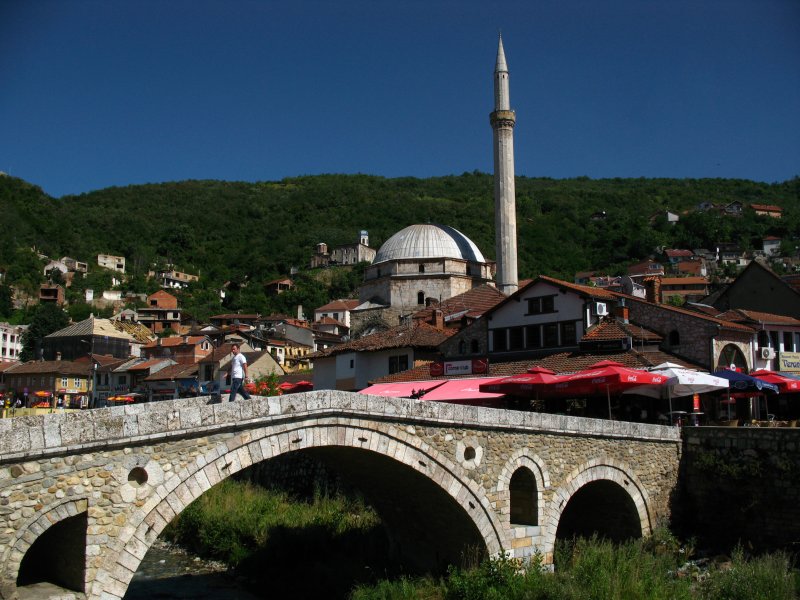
(627, 285)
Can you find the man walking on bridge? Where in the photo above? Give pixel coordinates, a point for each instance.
(238, 374)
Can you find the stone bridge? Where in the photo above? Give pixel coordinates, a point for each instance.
(83, 495)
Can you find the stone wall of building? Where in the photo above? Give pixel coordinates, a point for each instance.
(699, 340)
(129, 470)
(741, 484)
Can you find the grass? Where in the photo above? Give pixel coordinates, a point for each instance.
(331, 546)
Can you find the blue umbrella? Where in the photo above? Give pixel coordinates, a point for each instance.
(745, 383)
(740, 382)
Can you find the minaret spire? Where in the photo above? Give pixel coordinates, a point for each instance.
(505, 214)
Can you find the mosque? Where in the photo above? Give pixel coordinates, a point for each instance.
(429, 263)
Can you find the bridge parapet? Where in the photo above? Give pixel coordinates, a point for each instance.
(59, 433)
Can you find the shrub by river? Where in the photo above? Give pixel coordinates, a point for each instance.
(334, 546)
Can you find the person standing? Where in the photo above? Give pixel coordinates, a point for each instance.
(238, 374)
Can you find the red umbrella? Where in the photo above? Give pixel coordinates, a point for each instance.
(521, 384)
(605, 377)
(786, 385)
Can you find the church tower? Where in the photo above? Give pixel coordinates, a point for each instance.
(505, 213)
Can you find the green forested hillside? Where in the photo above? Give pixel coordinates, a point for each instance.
(232, 231)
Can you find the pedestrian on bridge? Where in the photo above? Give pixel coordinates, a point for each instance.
(238, 374)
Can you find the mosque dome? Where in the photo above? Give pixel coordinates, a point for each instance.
(429, 241)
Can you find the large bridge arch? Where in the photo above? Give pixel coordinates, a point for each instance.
(606, 477)
(251, 447)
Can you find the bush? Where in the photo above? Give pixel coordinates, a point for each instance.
(766, 577)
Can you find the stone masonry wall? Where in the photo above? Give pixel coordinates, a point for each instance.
(132, 469)
(741, 485)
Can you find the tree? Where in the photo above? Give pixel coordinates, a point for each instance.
(6, 301)
(46, 319)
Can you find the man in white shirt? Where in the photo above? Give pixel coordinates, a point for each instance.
(238, 374)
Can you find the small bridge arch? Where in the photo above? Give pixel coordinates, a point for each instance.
(600, 496)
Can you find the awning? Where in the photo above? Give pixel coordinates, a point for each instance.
(461, 389)
(403, 389)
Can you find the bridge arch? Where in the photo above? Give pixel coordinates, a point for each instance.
(250, 447)
(32, 531)
(605, 479)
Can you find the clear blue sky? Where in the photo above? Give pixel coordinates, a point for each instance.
(95, 93)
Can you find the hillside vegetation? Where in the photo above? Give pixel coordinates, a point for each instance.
(253, 232)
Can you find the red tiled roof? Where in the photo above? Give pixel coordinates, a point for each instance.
(236, 316)
(676, 253)
(683, 280)
(61, 367)
(473, 303)
(339, 305)
(767, 207)
(169, 342)
(418, 335)
(740, 315)
(143, 366)
(173, 372)
(616, 330)
(581, 289)
(329, 321)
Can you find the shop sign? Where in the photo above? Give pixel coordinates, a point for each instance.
(476, 366)
(789, 361)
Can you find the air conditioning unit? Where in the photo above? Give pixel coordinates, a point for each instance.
(767, 353)
(600, 309)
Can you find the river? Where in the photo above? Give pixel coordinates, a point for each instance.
(169, 573)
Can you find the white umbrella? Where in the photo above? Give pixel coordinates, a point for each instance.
(680, 382)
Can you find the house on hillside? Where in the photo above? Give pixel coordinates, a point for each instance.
(90, 336)
(161, 312)
(768, 210)
(338, 310)
(111, 262)
(760, 289)
(687, 289)
(278, 286)
(185, 350)
(51, 293)
(771, 245)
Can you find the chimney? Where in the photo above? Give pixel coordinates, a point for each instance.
(653, 289)
(621, 311)
(438, 319)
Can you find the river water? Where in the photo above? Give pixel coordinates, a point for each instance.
(168, 573)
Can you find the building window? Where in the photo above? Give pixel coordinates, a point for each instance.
(516, 338)
(674, 338)
(352, 362)
(123, 379)
(541, 305)
(63, 382)
(76, 383)
(422, 268)
(462, 347)
(473, 346)
(787, 341)
(533, 336)
(398, 363)
(763, 339)
(420, 297)
(499, 340)
(568, 333)
(551, 335)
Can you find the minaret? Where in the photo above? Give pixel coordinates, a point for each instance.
(505, 213)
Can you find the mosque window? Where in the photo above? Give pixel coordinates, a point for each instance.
(473, 346)
(422, 268)
(674, 338)
(462, 347)
(420, 297)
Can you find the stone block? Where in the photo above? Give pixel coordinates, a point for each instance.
(190, 418)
